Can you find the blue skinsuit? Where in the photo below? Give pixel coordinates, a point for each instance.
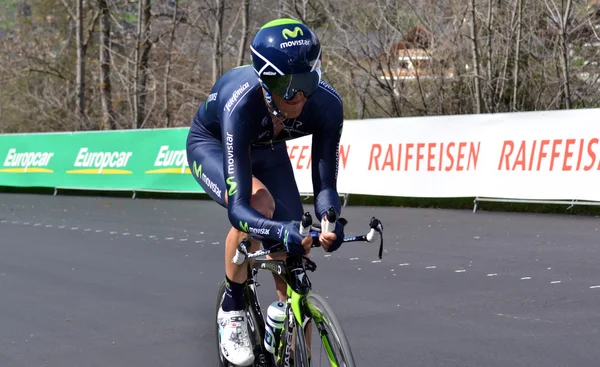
(231, 140)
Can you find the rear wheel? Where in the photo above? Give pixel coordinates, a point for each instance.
(335, 349)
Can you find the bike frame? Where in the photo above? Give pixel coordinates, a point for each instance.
(292, 271)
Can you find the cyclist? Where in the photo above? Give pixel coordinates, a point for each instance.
(236, 147)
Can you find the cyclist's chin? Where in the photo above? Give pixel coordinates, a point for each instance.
(292, 110)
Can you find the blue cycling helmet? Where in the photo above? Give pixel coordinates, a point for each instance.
(286, 56)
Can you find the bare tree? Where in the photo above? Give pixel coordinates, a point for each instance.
(108, 120)
(144, 45)
(244, 35)
(476, 63)
(217, 41)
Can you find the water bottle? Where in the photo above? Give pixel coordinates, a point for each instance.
(274, 325)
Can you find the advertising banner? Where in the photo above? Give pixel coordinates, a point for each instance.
(552, 155)
(121, 160)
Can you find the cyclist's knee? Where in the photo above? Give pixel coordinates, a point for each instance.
(263, 202)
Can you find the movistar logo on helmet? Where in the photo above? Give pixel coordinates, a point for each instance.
(286, 32)
(295, 43)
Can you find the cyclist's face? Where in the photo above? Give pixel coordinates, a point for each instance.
(292, 108)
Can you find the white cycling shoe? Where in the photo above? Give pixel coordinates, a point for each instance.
(235, 340)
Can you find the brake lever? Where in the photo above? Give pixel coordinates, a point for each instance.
(310, 265)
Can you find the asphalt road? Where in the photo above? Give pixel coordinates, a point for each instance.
(131, 283)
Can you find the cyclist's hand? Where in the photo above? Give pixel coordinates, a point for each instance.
(331, 241)
(294, 242)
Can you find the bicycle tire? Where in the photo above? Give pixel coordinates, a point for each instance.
(338, 340)
(300, 350)
(255, 337)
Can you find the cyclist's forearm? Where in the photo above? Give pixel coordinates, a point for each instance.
(247, 219)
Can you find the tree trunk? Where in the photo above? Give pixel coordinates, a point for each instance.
(108, 120)
(167, 91)
(142, 59)
(476, 59)
(244, 36)
(217, 44)
(517, 56)
(80, 78)
(565, 54)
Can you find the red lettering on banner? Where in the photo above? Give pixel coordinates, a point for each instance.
(592, 154)
(374, 158)
(448, 168)
(473, 155)
(407, 155)
(553, 154)
(504, 155)
(389, 158)
(568, 154)
(301, 156)
(299, 164)
(419, 155)
(542, 153)
(521, 158)
(430, 157)
(344, 155)
(423, 157)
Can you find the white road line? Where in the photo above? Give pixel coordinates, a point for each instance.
(151, 236)
(492, 275)
(198, 241)
(87, 229)
(183, 240)
(98, 230)
(431, 267)
(113, 232)
(525, 278)
(595, 286)
(48, 225)
(353, 258)
(74, 228)
(215, 243)
(375, 261)
(460, 271)
(138, 235)
(27, 223)
(37, 224)
(169, 238)
(14, 222)
(61, 227)
(3, 221)
(327, 255)
(125, 233)
(555, 282)
(405, 264)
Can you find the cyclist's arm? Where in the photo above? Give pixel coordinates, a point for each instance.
(237, 168)
(325, 160)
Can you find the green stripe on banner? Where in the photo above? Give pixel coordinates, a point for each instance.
(124, 159)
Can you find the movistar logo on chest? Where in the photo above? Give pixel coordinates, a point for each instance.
(101, 162)
(170, 161)
(230, 160)
(295, 43)
(26, 162)
(236, 95)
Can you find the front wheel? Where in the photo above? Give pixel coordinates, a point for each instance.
(336, 348)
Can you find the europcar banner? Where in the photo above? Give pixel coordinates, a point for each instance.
(552, 155)
(118, 160)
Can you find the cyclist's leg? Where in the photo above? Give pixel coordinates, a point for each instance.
(274, 169)
(205, 157)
